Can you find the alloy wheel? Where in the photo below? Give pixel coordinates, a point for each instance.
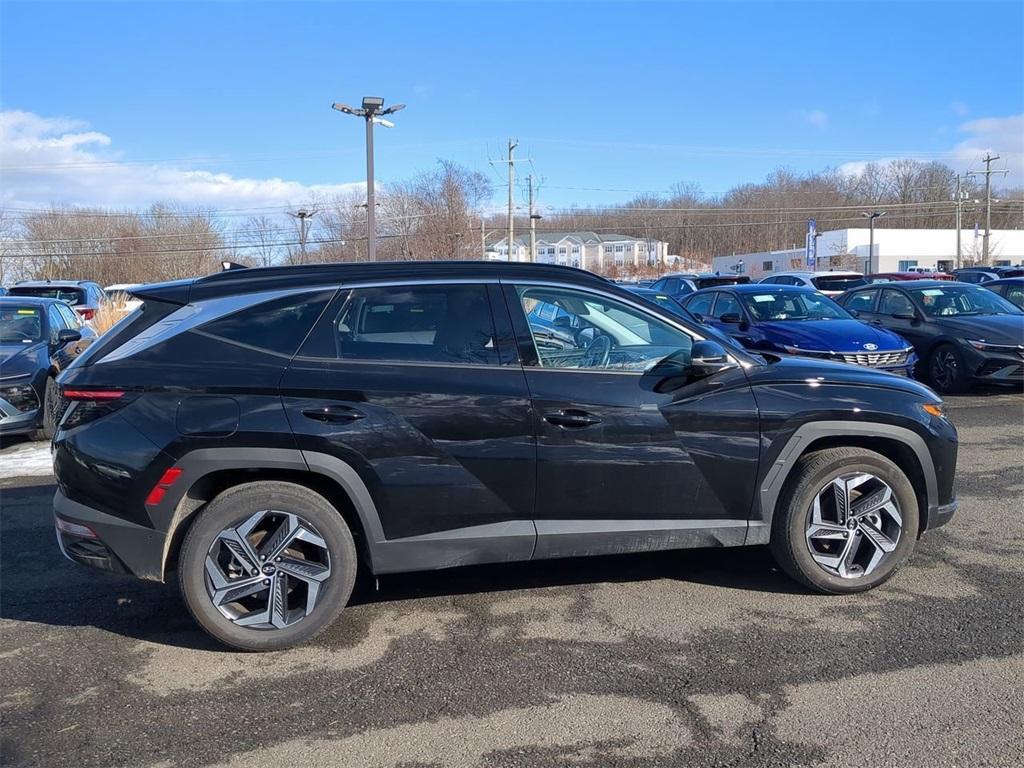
(268, 571)
(945, 368)
(854, 526)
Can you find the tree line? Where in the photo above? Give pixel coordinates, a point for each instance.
(442, 213)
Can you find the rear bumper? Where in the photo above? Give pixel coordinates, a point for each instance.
(120, 546)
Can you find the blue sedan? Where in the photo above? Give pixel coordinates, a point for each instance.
(792, 320)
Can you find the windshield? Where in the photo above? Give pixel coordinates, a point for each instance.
(962, 300)
(838, 283)
(70, 295)
(20, 325)
(793, 305)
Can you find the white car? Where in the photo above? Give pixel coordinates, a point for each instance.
(121, 293)
(831, 283)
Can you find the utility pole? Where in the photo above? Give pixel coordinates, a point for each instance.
(959, 196)
(303, 216)
(533, 224)
(870, 266)
(988, 201)
(511, 183)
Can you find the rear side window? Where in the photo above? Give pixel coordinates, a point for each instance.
(277, 326)
(895, 303)
(70, 318)
(862, 301)
(701, 305)
(727, 305)
(418, 323)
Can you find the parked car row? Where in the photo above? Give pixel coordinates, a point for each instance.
(949, 333)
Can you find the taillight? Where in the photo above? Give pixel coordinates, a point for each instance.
(167, 479)
(87, 313)
(85, 405)
(93, 394)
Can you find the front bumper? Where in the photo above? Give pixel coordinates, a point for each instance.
(16, 422)
(120, 546)
(939, 516)
(998, 369)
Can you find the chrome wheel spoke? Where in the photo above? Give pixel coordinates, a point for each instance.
(258, 585)
(854, 525)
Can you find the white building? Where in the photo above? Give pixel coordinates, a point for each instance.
(588, 250)
(896, 250)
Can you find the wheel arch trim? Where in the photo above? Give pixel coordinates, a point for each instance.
(805, 435)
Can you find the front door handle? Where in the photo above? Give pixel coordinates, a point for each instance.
(571, 418)
(333, 413)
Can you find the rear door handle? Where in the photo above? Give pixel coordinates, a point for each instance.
(571, 418)
(333, 413)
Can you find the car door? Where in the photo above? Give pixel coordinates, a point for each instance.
(897, 313)
(728, 304)
(620, 464)
(863, 303)
(417, 388)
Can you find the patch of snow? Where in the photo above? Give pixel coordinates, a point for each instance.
(26, 459)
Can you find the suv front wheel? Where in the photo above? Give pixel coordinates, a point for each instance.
(267, 565)
(846, 520)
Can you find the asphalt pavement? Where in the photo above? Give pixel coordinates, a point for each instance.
(697, 658)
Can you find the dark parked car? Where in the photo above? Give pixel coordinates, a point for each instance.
(263, 433)
(680, 285)
(1010, 288)
(963, 333)
(38, 339)
(792, 320)
(889, 277)
(85, 297)
(985, 274)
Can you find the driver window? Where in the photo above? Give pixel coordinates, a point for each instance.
(727, 305)
(594, 332)
(56, 323)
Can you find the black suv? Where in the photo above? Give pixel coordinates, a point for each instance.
(267, 432)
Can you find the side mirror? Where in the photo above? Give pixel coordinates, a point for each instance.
(854, 312)
(67, 335)
(708, 358)
(563, 322)
(731, 317)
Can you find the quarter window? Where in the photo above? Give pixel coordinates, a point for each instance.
(277, 326)
(594, 332)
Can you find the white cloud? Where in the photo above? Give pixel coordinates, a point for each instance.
(48, 160)
(1003, 136)
(817, 117)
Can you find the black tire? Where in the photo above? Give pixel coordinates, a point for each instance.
(947, 372)
(810, 475)
(232, 507)
(51, 411)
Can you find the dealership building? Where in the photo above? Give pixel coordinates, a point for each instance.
(895, 250)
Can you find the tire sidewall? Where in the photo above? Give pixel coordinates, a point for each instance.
(799, 516)
(48, 416)
(232, 508)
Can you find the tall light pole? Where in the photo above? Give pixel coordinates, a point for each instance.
(871, 238)
(372, 111)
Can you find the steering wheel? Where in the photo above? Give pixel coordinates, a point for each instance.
(597, 352)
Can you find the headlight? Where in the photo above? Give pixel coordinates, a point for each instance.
(985, 346)
(22, 396)
(938, 410)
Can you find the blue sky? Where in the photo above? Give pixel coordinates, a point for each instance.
(121, 102)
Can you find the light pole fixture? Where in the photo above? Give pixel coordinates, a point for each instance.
(871, 216)
(372, 111)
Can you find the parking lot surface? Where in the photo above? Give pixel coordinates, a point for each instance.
(696, 658)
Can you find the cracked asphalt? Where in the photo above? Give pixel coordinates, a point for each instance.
(698, 658)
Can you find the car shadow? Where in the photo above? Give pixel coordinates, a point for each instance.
(38, 585)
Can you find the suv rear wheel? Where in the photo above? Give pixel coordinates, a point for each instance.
(846, 520)
(267, 565)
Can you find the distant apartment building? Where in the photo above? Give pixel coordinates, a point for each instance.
(895, 250)
(587, 250)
